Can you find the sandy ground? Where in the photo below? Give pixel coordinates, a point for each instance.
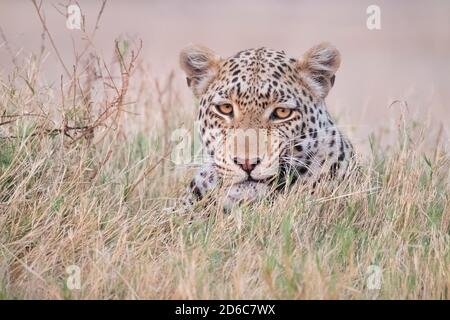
(408, 59)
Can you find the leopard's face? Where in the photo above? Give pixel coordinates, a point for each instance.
(251, 114)
(261, 113)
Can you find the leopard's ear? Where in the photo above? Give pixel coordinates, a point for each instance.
(201, 66)
(318, 66)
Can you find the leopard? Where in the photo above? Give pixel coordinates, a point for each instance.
(263, 123)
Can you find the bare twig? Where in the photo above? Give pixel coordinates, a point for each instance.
(44, 25)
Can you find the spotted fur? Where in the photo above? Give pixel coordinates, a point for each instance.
(304, 148)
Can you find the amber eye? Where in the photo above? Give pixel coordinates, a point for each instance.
(281, 113)
(226, 109)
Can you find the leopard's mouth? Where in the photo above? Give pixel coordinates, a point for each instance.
(263, 180)
(251, 180)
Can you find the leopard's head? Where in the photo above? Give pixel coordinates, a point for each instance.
(260, 110)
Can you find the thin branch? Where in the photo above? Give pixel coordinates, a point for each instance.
(44, 25)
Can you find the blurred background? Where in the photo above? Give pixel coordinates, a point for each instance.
(408, 59)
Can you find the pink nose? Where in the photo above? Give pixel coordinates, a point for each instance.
(247, 164)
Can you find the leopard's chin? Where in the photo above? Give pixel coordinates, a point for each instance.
(244, 192)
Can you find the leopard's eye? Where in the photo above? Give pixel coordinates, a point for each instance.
(281, 113)
(226, 109)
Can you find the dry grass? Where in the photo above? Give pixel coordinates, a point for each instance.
(79, 187)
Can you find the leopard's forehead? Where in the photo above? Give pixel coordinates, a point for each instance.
(258, 76)
(258, 61)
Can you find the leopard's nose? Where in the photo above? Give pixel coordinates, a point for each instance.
(247, 164)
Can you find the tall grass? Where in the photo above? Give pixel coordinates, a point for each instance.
(78, 188)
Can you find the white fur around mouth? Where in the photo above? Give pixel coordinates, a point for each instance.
(244, 192)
